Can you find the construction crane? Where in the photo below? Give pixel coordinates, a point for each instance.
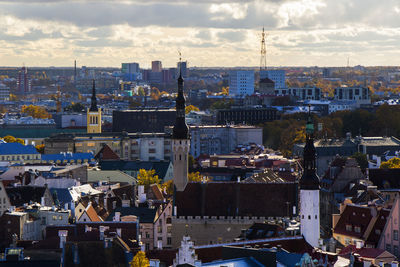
(263, 58)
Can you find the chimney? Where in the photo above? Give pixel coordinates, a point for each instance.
(359, 244)
(101, 229)
(117, 216)
(42, 202)
(141, 194)
(63, 237)
(88, 229)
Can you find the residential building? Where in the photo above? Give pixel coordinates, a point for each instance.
(218, 139)
(131, 71)
(156, 66)
(4, 200)
(359, 94)
(69, 120)
(389, 239)
(182, 67)
(246, 115)
(143, 120)
(241, 83)
(357, 224)
(4, 92)
(93, 114)
(304, 93)
(23, 82)
(133, 146)
(277, 76)
(17, 153)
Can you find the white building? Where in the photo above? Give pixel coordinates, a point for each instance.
(278, 76)
(341, 105)
(241, 83)
(359, 94)
(304, 93)
(222, 139)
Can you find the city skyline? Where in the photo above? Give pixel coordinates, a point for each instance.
(209, 33)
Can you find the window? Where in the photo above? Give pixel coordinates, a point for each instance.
(159, 229)
(396, 250)
(395, 234)
(357, 229)
(147, 246)
(169, 241)
(349, 227)
(152, 150)
(147, 235)
(54, 217)
(388, 247)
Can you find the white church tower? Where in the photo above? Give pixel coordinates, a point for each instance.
(181, 141)
(309, 190)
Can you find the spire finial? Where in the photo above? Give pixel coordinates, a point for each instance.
(180, 64)
(93, 105)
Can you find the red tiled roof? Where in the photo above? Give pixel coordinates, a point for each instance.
(236, 199)
(370, 253)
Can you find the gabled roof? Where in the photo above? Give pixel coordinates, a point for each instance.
(24, 194)
(90, 211)
(367, 218)
(16, 148)
(236, 199)
(106, 153)
(370, 253)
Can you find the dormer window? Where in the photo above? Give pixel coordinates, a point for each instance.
(349, 227)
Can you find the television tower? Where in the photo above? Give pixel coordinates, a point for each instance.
(263, 58)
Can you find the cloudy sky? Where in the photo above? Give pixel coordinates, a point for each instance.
(208, 32)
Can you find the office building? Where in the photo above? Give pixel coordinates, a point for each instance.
(131, 71)
(278, 76)
(304, 93)
(241, 83)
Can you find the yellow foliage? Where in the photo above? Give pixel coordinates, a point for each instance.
(13, 97)
(191, 108)
(35, 112)
(147, 178)
(168, 186)
(40, 148)
(393, 163)
(194, 177)
(140, 260)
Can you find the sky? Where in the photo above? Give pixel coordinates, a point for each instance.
(208, 33)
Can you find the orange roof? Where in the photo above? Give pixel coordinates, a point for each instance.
(90, 211)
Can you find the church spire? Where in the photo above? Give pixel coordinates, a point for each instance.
(181, 130)
(309, 180)
(93, 104)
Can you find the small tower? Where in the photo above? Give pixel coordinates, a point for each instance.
(93, 114)
(181, 141)
(309, 190)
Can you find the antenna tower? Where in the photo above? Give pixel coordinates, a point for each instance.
(263, 58)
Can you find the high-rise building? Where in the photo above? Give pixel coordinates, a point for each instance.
(131, 71)
(309, 190)
(23, 83)
(278, 76)
(241, 82)
(94, 114)
(182, 67)
(4, 92)
(156, 66)
(181, 141)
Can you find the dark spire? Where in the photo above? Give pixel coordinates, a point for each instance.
(181, 130)
(309, 180)
(93, 104)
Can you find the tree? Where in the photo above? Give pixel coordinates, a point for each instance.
(40, 148)
(361, 159)
(155, 93)
(13, 97)
(9, 139)
(190, 108)
(141, 91)
(19, 140)
(147, 178)
(140, 260)
(393, 163)
(194, 177)
(35, 112)
(168, 186)
(76, 107)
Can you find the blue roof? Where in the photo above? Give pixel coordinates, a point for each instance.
(68, 157)
(288, 259)
(16, 148)
(63, 195)
(240, 262)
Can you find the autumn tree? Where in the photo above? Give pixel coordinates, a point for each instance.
(190, 108)
(76, 107)
(35, 112)
(9, 139)
(147, 178)
(141, 91)
(168, 187)
(194, 177)
(140, 260)
(155, 93)
(40, 148)
(393, 163)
